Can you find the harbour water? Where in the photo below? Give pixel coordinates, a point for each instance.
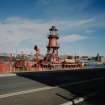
(93, 64)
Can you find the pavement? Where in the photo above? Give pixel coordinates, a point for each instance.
(44, 89)
(7, 74)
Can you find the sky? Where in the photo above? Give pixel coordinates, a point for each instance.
(80, 24)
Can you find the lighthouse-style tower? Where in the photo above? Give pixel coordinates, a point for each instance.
(52, 48)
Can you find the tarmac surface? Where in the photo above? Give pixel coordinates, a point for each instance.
(52, 89)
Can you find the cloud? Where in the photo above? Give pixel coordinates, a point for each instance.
(76, 24)
(14, 31)
(73, 38)
(18, 33)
